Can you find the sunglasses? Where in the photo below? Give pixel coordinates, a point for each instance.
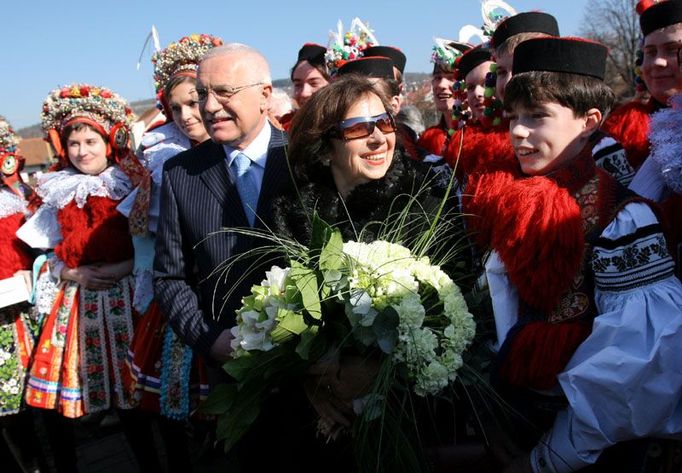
(362, 127)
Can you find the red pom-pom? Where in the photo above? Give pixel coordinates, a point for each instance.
(96, 233)
(539, 236)
(629, 125)
(644, 5)
(539, 351)
(14, 254)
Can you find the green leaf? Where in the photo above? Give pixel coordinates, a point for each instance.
(320, 234)
(237, 421)
(241, 368)
(293, 322)
(306, 283)
(307, 339)
(385, 328)
(331, 256)
(219, 400)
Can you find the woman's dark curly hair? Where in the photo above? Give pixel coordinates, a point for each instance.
(311, 132)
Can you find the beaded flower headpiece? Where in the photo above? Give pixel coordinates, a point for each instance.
(181, 56)
(10, 158)
(99, 104)
(494, 12)
(445, 52)
(9, 140)
(344, 47)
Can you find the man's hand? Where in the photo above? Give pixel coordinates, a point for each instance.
(221, 349)
(335, 382)
(116, 271)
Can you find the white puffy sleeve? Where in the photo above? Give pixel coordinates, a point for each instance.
(42, 230)
(625, 380)
(504, 296)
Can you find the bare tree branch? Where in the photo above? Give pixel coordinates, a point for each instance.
(615, 24)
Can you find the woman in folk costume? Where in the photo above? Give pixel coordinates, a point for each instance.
(85, 291)
(17, 328)
(164, 375)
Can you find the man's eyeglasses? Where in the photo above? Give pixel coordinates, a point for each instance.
(223, 93)
(362, 127)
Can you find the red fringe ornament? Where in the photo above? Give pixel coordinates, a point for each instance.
(481, 149)
(97, 233)
(483, 200)
(629, 125)
(433, 140)
(539, 236)
(539, 351)
(14, 254)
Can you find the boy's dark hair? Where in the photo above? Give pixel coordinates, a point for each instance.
(575, 91)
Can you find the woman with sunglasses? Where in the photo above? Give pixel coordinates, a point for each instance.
(346, 162)
(349, 169)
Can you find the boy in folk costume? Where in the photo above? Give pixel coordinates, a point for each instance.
(608, 153)
(86, 294)
(17, 327)
(587, 308)
(661, 26)
(652, 129)
(484, 140)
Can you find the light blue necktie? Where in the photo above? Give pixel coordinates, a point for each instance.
(246, 185)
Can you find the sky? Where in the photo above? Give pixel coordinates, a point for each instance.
(47, 44)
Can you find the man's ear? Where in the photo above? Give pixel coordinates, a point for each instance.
(396, 103)
(593, 119)
(266, 94)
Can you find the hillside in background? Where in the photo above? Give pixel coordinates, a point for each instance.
(415, 83)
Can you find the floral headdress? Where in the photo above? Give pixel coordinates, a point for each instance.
(88, 103)
(182, 56)
(446, 51)
(10, 159)
(494, 12)
(9, 140)
(344, 47)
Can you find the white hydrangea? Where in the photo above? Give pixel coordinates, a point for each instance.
(390, 275)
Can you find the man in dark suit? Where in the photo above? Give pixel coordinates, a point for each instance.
(218, 184)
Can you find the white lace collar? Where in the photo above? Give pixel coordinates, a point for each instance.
(11, 204)
(57, 189)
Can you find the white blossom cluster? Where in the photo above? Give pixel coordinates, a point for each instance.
(258, 315)
(429, 344)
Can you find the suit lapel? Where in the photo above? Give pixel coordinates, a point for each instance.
(276, 171)
(219, 182)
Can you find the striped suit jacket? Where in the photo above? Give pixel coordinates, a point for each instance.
(198, 199)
